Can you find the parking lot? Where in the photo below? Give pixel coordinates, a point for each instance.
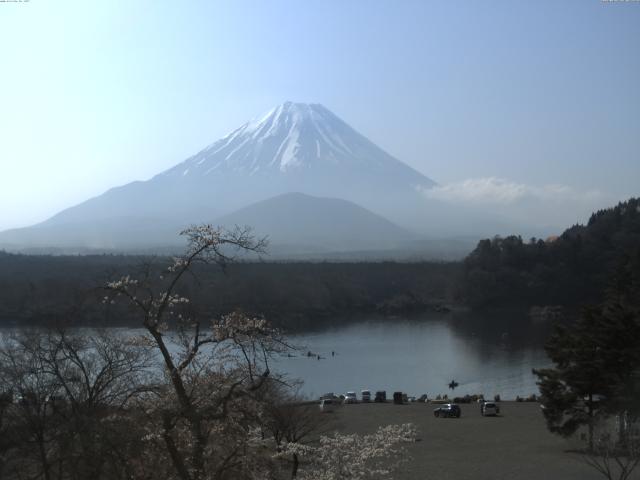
(514, 445)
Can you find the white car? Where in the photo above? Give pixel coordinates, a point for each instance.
(327, 405)
(350, 397)
(365, 396)
(489, 408)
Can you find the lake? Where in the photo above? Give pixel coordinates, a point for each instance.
(422, 355)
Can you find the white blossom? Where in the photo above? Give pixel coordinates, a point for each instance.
(352, 456)
(122, 283)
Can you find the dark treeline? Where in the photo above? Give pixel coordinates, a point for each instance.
(501, 273)
(570, 270)
(296, 296)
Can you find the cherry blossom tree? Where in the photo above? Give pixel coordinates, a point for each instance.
(287, 417)
(208, 401)
(352, 456)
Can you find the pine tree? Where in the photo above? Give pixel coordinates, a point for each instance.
(596, 361)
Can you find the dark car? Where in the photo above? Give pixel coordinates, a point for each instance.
(381, 396)
(449, 410)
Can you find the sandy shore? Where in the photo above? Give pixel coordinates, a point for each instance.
(515, 445)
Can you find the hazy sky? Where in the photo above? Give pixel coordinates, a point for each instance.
(493, 100)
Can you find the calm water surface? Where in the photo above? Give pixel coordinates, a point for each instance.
(420, 356)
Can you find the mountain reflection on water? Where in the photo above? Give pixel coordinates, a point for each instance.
(422, 355)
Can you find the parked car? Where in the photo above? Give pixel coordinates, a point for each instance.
(381, 396)
(330, 396)
(365, 396)
(489, 408)
(327, 405)
(448, 410)
(350, 397)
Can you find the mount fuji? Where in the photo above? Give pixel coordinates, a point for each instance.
(295, 147)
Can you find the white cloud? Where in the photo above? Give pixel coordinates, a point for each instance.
(500, 191)
(553, 205)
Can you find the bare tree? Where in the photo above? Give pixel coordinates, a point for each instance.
(614, 459)
(69, 392)
(289, 418)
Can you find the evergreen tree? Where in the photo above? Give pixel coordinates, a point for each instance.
(596, 361)
(568, 270)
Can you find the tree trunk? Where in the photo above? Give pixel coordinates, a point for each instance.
(590, 412)
(176, 458)
(43, 457)
(199, 439)
(294, 469)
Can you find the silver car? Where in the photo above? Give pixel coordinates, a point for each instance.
(489, 409)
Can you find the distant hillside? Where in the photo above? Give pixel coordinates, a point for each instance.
(305, 224)
(571, 269)
(296, 224)
(100, 235)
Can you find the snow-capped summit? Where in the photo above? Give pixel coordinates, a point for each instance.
(291, 138)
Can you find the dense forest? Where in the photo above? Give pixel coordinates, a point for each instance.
(569, 270)
(297, 296)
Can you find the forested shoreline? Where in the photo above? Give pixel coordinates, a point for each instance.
(508, 273)
(294, 296)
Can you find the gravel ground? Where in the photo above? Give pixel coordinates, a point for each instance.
(514, 445)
